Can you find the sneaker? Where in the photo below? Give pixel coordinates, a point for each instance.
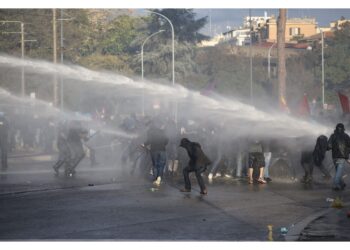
(157, 182)
(268, 179)
(184, 190)
(204, 192)
(261, 181)
(210, 176)
(217, 175)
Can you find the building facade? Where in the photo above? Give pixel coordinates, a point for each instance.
(296, 28)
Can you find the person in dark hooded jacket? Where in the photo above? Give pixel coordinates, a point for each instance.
(339, 143)
(198, 163)
(315, 157)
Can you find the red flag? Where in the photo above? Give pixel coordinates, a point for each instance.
(304, 109)
(344, 101)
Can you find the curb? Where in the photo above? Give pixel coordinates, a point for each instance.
(294, 232)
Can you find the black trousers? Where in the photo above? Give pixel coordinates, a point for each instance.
(198, 170)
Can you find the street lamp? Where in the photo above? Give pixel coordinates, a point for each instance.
(173, 54)
(269, 61)
(322, 37)
(173, 43)
(143, 44)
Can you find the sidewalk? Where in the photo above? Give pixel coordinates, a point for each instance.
(331, 224)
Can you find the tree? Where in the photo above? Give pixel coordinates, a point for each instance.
(118, 35)
(186, 27)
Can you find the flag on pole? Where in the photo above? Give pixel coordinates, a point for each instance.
(344, 102)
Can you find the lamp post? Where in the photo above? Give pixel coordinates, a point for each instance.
(143, 44)
(173, 43)
(250, 56)
(269, 61)
(322, 38)
(173, 53)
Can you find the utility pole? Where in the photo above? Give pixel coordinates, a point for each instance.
(250, 56)
(281, 27)
(210, 33)
(322, 36)
(61, 50)
(55, 87)
(23, 83)
(22, 56)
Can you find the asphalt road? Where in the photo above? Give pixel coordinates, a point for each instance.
(105, 203)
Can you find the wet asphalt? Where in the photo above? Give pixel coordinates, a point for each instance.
(105, 203)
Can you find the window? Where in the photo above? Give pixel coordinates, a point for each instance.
(294, 31)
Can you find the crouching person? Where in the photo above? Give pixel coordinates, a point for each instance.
(198, 163)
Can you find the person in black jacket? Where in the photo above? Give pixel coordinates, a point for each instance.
(339, 143)
(314, 157)
(198, 163)
(157, 140)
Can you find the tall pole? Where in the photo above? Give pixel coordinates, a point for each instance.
(61, 50)
(269, 61)
(142, 72)
(23, 88)
(281, 26)
(55, 87)
(173, 43)
(173, 54)
(322, 36)
(210, 34)
(250, 56)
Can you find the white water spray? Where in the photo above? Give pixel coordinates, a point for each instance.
(235, 117)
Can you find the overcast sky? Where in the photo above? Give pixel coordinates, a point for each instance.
(221, 18)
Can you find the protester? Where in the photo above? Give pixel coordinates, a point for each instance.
(64, 153)
(339, 143)
(314, 156)
(157, 141)
(256, 162)
(198, 163)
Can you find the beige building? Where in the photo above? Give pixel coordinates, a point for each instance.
(295, 28)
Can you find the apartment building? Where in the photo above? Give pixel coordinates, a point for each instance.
(296, 28)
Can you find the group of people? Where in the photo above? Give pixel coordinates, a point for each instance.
(259, 158)
(167, 141)
(339, 144)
